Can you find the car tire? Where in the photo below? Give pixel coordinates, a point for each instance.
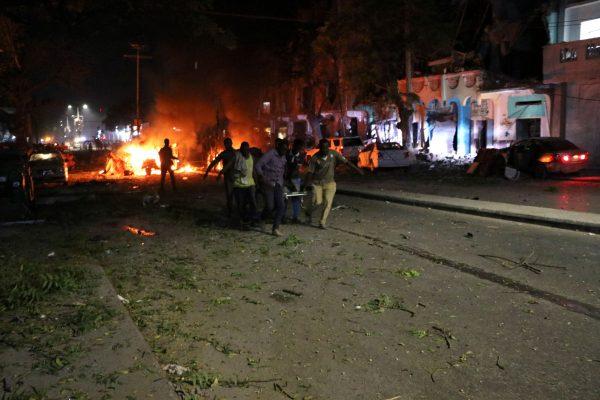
(540, 172)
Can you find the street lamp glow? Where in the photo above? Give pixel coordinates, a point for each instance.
(85, 106)
(70, 107)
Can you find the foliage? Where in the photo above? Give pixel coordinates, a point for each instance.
(27, 284)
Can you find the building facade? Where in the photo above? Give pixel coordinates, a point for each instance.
(457, 113)
(572, 68)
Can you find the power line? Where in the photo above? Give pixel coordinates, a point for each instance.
(576, 98)
(260, 17)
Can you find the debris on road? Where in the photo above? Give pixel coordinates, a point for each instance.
(24, 222)
(122, 299)
(150, 199)
(523, 262)
(139, 231)
(385, 302)
(175, 369)
(469, 235)
(445, 334)
(51, 254)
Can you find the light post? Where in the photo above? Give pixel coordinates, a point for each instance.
(76, 132)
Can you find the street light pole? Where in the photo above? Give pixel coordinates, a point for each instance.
(137, 56)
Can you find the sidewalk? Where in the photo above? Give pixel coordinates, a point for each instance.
(582, 221)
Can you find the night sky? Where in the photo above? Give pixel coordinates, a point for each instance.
(204, 52)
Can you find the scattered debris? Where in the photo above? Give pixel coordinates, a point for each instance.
(7, 385)
(409, 273)
(150, 199)
(139, 231)
(511, 174)
(122, 299)
(345, 207)
(24, 222)
(291, 241)
(282, 297)
(51, 254)
(419, 333)
(523, 262)
(488, 162)
(175, 369)
(468, 235)
(277, 387)
(445, 334)
(384, 302)
(498, 363)
(293, 293)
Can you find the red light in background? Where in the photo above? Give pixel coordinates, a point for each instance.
(566, 158)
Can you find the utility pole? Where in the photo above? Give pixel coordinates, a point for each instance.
(408, 66)
(137, 56)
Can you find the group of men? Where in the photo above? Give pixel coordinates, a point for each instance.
(277, 176)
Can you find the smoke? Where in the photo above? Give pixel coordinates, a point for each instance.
(197, 103)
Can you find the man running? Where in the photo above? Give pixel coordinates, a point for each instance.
(166, 163)
(321, 171)
(242, 169)
(295, 158)
(225, 157)
(271, 169)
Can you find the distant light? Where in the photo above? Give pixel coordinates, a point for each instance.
(85, 106)
(69, 107)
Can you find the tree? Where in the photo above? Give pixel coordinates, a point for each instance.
(368, 41)
(49, 46)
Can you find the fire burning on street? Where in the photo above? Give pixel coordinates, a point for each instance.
(141, 159)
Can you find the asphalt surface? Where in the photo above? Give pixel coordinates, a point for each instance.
(564, 193)
(488, 309)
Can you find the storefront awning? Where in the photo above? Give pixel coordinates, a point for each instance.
(523, 107)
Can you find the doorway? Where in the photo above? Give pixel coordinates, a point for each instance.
(528, 128)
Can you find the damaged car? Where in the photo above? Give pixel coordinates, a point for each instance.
(547, 155)
(386, 155)
(48, 166)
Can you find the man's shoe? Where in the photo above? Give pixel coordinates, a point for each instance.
(277, 232)
(321, 226)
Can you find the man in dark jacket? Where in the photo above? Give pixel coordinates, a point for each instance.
(166, 163)
(296, 157)
(225, 157)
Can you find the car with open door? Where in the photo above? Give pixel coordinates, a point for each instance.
(547, 155)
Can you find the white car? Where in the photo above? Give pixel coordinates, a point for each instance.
(353, 145)
(385, 155)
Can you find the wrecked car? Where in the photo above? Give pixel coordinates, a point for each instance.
(48, 166)
(543, 156)
(385, 155)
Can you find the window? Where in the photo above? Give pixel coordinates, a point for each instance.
(266, 107)
(590, 29)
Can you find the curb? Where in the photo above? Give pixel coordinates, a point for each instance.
(488, 209)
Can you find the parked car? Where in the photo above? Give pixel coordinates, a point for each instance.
(385, 155)
(48, 166)
(16, 183)
(335, 143)
(541, 156)
(352, 146)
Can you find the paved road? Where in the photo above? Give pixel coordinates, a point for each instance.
(574, 195)
(391, 302)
